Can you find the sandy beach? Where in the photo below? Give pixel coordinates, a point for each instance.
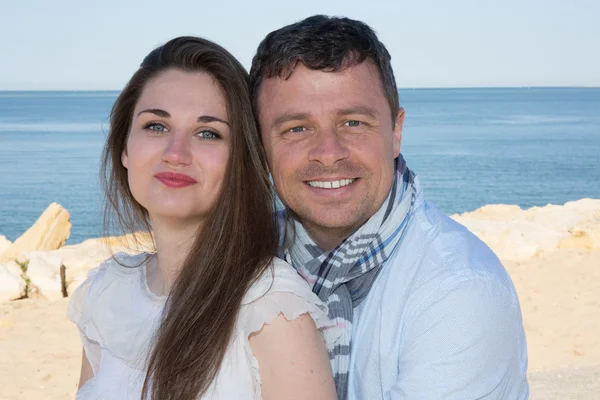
(559, 291)
(559, 294)
(560, 301)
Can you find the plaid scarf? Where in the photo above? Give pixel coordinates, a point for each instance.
(343, 277)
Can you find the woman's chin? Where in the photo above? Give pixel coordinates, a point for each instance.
(176, 216)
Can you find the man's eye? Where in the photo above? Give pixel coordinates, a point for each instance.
(353, 123)
(297, 129)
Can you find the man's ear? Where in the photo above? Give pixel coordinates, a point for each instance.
(397, 139)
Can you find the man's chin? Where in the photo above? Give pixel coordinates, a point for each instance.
(333, 223)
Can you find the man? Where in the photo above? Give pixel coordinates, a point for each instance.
(427, 309)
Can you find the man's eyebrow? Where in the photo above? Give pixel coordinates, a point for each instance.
(283, 118)
(156, 111)
(165, 114)
(362, 110)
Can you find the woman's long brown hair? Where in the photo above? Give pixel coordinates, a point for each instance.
(238, 239)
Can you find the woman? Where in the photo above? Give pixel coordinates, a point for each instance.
(211, 314)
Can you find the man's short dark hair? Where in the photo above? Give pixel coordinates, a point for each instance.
(325, 43)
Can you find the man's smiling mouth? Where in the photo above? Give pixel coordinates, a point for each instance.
(330, 184)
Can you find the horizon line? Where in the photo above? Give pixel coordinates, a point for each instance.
(399, 88)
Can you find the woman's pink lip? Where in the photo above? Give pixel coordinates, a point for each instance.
(174, 179)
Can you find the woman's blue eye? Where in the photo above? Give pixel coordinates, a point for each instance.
(297, 129)
(353, 123)
(208, 135)
(154, 127)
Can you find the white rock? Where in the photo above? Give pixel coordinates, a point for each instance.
(44, 272)
(513, 240)
(564, 218)
(493, 212)
(12, 286)
(4, 244)
(80, 258)
(515, 234)
(49, 232)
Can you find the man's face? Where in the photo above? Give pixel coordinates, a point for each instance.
(331, 144)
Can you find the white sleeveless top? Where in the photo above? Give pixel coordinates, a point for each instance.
(117, 316)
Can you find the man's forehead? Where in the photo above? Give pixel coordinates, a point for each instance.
(346, 67)
(361, 79)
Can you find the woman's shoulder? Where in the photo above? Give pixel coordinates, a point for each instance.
(111, 309)
(121, 266)
(104, 284)
(280, 290)
(125, 264)
(278, 277)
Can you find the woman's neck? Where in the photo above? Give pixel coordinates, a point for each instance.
(173, 241)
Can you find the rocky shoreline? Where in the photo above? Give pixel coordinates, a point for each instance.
(38, 264)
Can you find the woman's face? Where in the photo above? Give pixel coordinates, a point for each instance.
(178, 146)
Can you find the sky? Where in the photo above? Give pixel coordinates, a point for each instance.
(97, 45)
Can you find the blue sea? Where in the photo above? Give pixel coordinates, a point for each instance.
(471, 147)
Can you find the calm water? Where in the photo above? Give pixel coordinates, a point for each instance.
(470, 146)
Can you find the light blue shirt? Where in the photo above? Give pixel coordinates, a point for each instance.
(442, 321)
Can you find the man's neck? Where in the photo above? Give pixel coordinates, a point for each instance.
(328, 238)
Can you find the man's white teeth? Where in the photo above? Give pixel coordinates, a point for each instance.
(330, 184)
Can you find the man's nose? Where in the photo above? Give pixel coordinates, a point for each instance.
(328, 148)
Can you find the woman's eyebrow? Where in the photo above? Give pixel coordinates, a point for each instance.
(165, 114)
(210, 118)
(156, 111)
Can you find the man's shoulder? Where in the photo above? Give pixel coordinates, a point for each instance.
(442, 289)
(447, 245)
(438, 254)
